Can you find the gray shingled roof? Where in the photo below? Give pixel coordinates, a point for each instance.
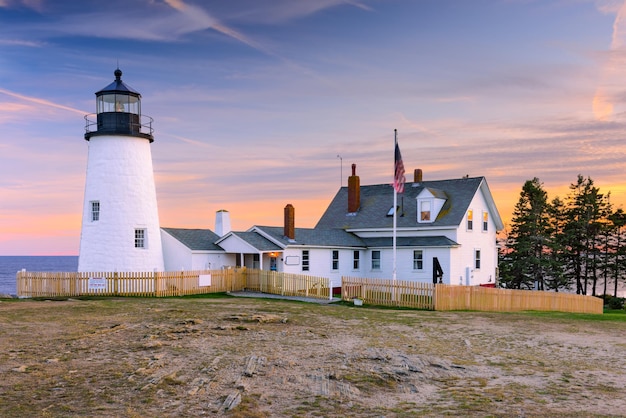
(377, 200)
(314, 237)
(195, 239)
(437, 241)
(258, 241)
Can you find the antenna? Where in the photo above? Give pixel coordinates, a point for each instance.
(341, 170)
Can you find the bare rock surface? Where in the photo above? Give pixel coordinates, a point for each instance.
(255, 358)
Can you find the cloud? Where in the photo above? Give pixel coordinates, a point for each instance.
(21, 42)
(42, 102)
(279, 11)
(603, 104)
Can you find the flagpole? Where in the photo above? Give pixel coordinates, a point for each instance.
(395, 207)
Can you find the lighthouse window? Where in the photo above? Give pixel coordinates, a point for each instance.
(95, 210)
(140, 238)
(118, 103)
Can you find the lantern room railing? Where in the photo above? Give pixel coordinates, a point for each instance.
(118, 123)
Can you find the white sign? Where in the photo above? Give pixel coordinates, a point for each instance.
(97, 283)
(205, 280)
(292, 260)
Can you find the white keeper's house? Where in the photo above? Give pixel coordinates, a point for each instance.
(446, 229)
(446, 232)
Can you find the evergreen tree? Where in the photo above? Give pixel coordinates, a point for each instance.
(527, 243)
(557, 279)
(616, 262)
(586, 207)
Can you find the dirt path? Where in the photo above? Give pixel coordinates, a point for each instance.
(256, 358)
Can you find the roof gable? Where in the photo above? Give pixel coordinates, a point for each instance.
(312, 237)
(195, 239)
(377, 200)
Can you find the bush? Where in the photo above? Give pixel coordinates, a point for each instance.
(616, 303)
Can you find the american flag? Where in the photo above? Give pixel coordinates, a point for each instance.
(398, 178)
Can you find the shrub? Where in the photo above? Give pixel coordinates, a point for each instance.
(616, 303)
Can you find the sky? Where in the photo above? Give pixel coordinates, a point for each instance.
(257, 104)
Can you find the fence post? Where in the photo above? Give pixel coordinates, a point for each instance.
(115, 283)
(330, 288)
(282, 284)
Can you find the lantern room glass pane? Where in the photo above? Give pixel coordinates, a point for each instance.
(118, 103)
(106, 103)
(133, 105)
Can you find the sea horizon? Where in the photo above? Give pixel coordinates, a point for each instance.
(11, 264)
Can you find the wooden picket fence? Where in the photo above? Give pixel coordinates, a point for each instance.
(387, 292)
(163, 284)
(441, 297)
(384, 292)
(157, 284)
(476, 298)
(287, 284)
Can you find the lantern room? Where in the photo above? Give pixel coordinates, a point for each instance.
(118, 108)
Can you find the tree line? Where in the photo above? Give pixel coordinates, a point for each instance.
(576, 243)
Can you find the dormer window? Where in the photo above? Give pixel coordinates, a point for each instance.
(425, 209)
(430, 202)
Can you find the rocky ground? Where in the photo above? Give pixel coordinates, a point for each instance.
(246, 357)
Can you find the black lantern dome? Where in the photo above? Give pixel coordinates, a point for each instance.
(118, 112)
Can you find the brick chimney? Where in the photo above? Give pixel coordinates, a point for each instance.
(290, 222)
(354, 191)
(417, 175)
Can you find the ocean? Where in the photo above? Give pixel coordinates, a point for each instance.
(10, 265)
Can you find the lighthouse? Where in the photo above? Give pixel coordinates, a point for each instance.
(120, 227)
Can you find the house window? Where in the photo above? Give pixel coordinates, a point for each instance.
(356, 259)
(375, 260)
(305, 260)
(470, 220)
(485, 221)
(256, 263)
(477, 259)
(95, 210)
(418, 260)
(335, 260)
(425, 211)
(140, 238)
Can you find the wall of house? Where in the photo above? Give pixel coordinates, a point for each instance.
(177, 256)
(404, 264)
(211, 260)
(464, 270)
(321, 263)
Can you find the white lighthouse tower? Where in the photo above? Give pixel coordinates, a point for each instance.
(120, 230)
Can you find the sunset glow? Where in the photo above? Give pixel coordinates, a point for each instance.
(253, 102)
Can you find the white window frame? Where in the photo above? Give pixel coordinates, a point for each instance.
(470, 220)
(430, 204)
(485, 221)
(305, 260)
(376, 264)
(95, 210)
(141, 238)
(335, 260)
(356, 260)
(418, 262)
(477, 258)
